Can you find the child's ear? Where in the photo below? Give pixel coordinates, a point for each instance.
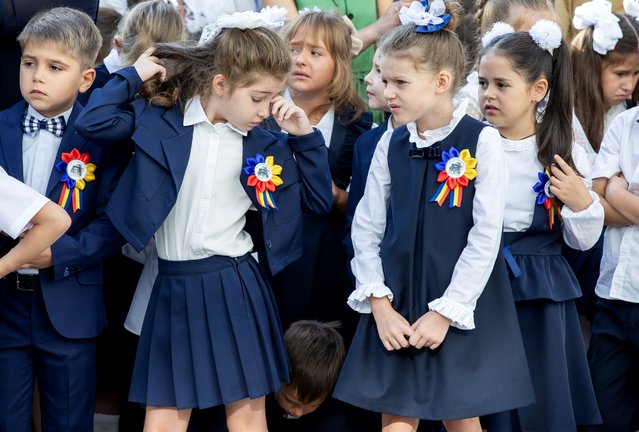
(539, 90)
(219, 84)
(117, 43)
(444, 81)
(88, 75)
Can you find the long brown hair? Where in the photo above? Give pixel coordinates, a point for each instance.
(589, 103)
(336, 36)
(554, 133)
(241, 56)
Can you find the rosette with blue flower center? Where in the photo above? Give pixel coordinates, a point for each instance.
(546, 198)
(456, 169)
(264, 176)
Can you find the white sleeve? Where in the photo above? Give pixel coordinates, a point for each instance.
(369, 224)
(476, 262)
(19, 204)
(581, 230)
(607, 161)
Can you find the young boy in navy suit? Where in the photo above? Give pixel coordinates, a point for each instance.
(52, 311)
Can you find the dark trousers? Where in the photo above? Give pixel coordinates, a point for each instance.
(31, 348)
(614, 364)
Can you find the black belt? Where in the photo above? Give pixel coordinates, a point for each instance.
(23, 282)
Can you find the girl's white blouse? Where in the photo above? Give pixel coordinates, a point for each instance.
(209, 214)
(476, 262)
(580, 230)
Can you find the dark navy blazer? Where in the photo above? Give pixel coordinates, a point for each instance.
(363, 152)
(149, 186)
(72, 288)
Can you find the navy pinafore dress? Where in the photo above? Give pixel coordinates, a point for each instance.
(474, 372)
(545, 288)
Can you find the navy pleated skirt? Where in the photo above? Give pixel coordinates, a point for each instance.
(211, 336)
(559, 369)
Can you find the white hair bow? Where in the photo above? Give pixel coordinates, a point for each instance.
(500, 28)
(427, 21)
(632, 8)
(269, 17)
(606, 32)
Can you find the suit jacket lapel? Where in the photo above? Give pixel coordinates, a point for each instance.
(11, 140)
(177, 149)
(70, 140)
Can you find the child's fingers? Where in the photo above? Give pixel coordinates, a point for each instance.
(557, 172)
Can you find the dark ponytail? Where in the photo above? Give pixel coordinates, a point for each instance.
(554, 133)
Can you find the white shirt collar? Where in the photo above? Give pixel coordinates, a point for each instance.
(194, 114)
(440, 133)
(112, 62)
(36, 114)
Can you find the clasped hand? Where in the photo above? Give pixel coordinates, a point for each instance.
(396, 332)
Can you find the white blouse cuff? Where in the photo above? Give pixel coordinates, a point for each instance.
(460, 316)
(358, 300)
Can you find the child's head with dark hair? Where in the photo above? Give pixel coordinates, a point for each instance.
(516, 74)
(107, 23)
(604, 79)
(59, 48)
(316, 352)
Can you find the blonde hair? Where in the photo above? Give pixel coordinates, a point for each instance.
(72, 29)
(146, 24)
(241, 56)
(336, 35)
(491, 11)
(436, 51)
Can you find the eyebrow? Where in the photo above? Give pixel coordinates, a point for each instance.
(50, 60)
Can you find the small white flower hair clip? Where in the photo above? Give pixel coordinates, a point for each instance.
(426, 18)
(546, 34)
(269, 17)
(632, 8)
(606, 30)
(500, 28)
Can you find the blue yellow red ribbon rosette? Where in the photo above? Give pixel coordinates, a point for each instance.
(456, 169)
(546, 198)
(264, 175)
(77, 172)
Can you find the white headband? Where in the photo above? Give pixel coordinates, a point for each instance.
(269, 17)
(606, 30)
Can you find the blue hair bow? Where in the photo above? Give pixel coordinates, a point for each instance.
(427, 19)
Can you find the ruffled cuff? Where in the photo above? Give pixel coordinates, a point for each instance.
(460, 316)
(358, 300)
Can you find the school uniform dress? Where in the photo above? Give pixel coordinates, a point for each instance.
(614, 345)
(430, 257)
(545, 290)
(49, 319)
(19, 204)
(211, 334)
